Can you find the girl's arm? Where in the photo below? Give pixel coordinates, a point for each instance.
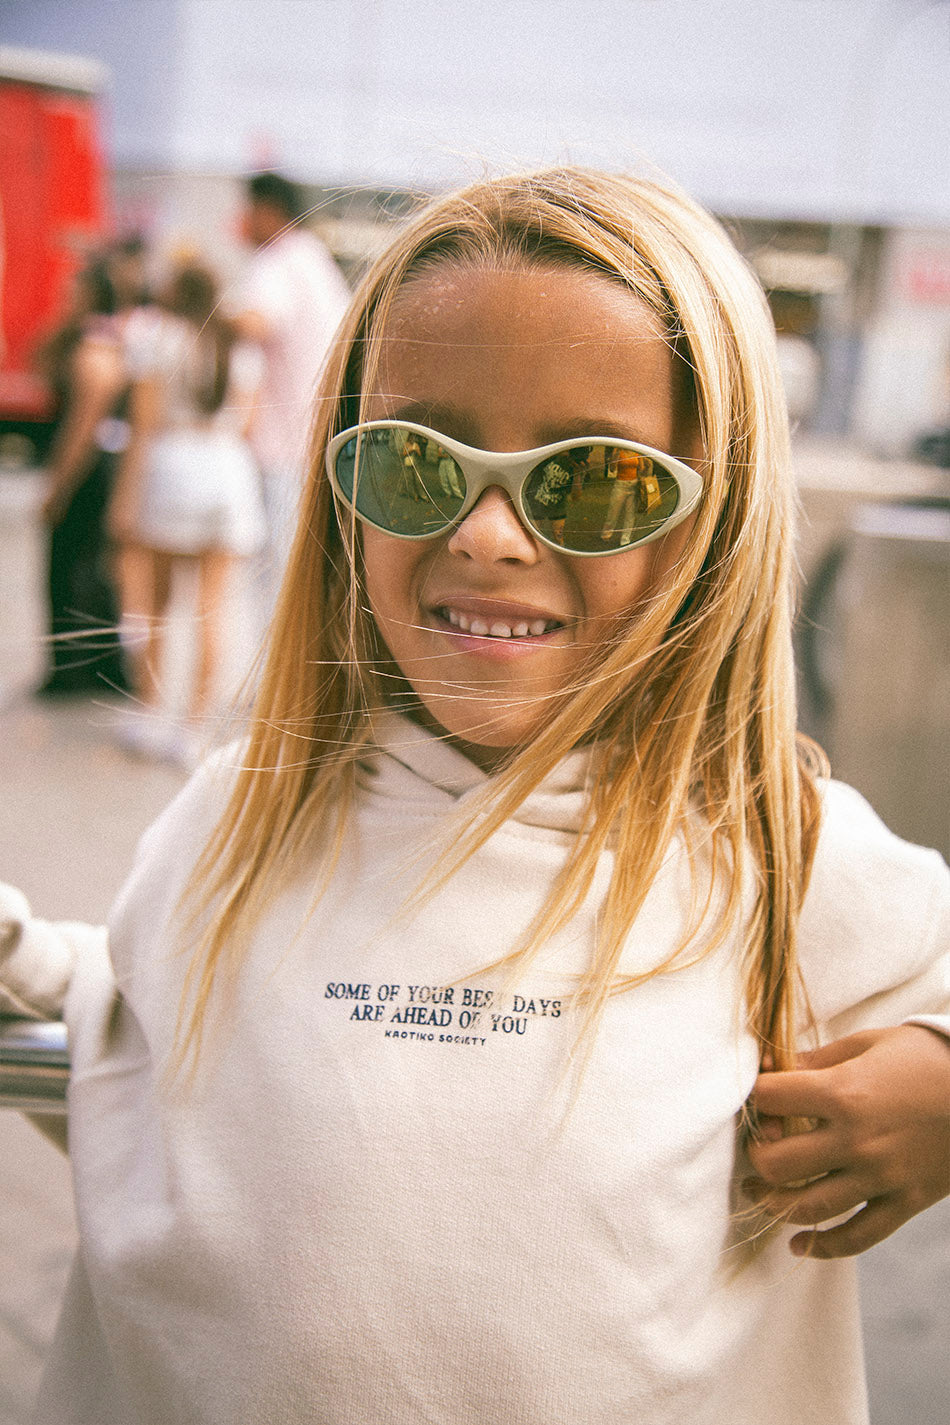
(144, 415)
(96, 378)
(37, 961)
(37, 957)
(880, 1100)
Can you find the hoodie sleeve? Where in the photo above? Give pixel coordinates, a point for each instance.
(40, 960)
(38, 957)
(875, 926)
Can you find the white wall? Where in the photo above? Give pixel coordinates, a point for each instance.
(904, 382)
(810, 108)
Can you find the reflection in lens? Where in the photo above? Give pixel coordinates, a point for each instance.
(595, 498)
(404, 481)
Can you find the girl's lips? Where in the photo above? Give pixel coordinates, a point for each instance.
(495, 625)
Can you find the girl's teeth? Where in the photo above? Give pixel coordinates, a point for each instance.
(481, 629)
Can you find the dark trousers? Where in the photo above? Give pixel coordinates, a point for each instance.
(85, 653)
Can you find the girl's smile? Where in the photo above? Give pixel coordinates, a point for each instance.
(494, 628)
(487, 624)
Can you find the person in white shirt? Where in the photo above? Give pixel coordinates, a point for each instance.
(291, 303)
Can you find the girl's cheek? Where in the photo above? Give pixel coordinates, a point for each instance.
(667, 553)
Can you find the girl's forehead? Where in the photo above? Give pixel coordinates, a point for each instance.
(554, 344)
(530, 302)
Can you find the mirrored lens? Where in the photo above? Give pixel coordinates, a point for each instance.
(401, 481)
(595, 498)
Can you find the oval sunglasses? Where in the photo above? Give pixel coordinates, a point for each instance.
(590, 496)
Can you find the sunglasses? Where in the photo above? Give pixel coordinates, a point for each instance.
(592, 496)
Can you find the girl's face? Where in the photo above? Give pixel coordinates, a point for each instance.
(510, 360)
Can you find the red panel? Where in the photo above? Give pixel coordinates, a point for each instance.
(22, 215)
(51, 212)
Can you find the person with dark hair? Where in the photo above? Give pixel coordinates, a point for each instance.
(127, 262)
(83, 363)
(187, 488)
(292, 301)
(273, 190)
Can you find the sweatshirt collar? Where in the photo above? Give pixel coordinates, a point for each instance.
(436, 767)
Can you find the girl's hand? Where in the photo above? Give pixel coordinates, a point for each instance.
(880, 1101)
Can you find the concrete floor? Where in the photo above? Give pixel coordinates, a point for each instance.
(72, 806)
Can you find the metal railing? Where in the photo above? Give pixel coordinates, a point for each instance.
(34, 1065)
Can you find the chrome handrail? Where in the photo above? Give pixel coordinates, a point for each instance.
(34, 1065)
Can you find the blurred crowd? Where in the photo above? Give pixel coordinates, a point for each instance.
(179, 439)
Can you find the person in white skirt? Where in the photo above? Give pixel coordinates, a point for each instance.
(187, 490)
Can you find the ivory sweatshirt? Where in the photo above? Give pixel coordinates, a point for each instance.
(386, 1200)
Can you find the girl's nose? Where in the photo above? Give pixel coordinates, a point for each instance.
(492, 531)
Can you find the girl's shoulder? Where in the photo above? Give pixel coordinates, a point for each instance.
(854, 843)
(876, 913)
(196, 808)
(169, 850)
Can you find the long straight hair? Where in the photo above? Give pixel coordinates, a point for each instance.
(691, 706)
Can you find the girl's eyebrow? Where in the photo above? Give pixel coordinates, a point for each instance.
(449, 420)
(452, 421)
(578, 427)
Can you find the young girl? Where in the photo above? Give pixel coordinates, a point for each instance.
(187, 491)
(415, 1088)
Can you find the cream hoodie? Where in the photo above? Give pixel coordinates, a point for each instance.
(383, 1203)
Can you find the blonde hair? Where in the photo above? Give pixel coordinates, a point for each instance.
(693, 704)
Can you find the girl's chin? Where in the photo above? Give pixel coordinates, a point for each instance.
(487, 741)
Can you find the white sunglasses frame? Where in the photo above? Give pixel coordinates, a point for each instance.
(509, 470)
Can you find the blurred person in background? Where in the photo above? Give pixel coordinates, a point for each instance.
(83, 363)
(291, 303)
(798, 359)
(128, 260)
(187, 490)
(128, 264)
